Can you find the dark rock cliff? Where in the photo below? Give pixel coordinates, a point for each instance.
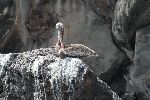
(131, 33)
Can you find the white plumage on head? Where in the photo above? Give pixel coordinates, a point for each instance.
(59, 25)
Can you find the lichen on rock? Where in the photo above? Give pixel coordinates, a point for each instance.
(42, 74)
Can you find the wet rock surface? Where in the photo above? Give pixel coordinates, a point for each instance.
(40, 74)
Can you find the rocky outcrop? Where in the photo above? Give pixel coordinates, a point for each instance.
(41, 74)
(140, 71)
(129, 16)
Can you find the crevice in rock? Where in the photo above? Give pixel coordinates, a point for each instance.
(115, 77)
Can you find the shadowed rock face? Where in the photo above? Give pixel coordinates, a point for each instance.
(7, 19)
(140, 71)
(5, 3)
(7, 16)
(41, 74)
(131, 32)
(10, 40)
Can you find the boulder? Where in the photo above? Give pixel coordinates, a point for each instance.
(42, 74)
